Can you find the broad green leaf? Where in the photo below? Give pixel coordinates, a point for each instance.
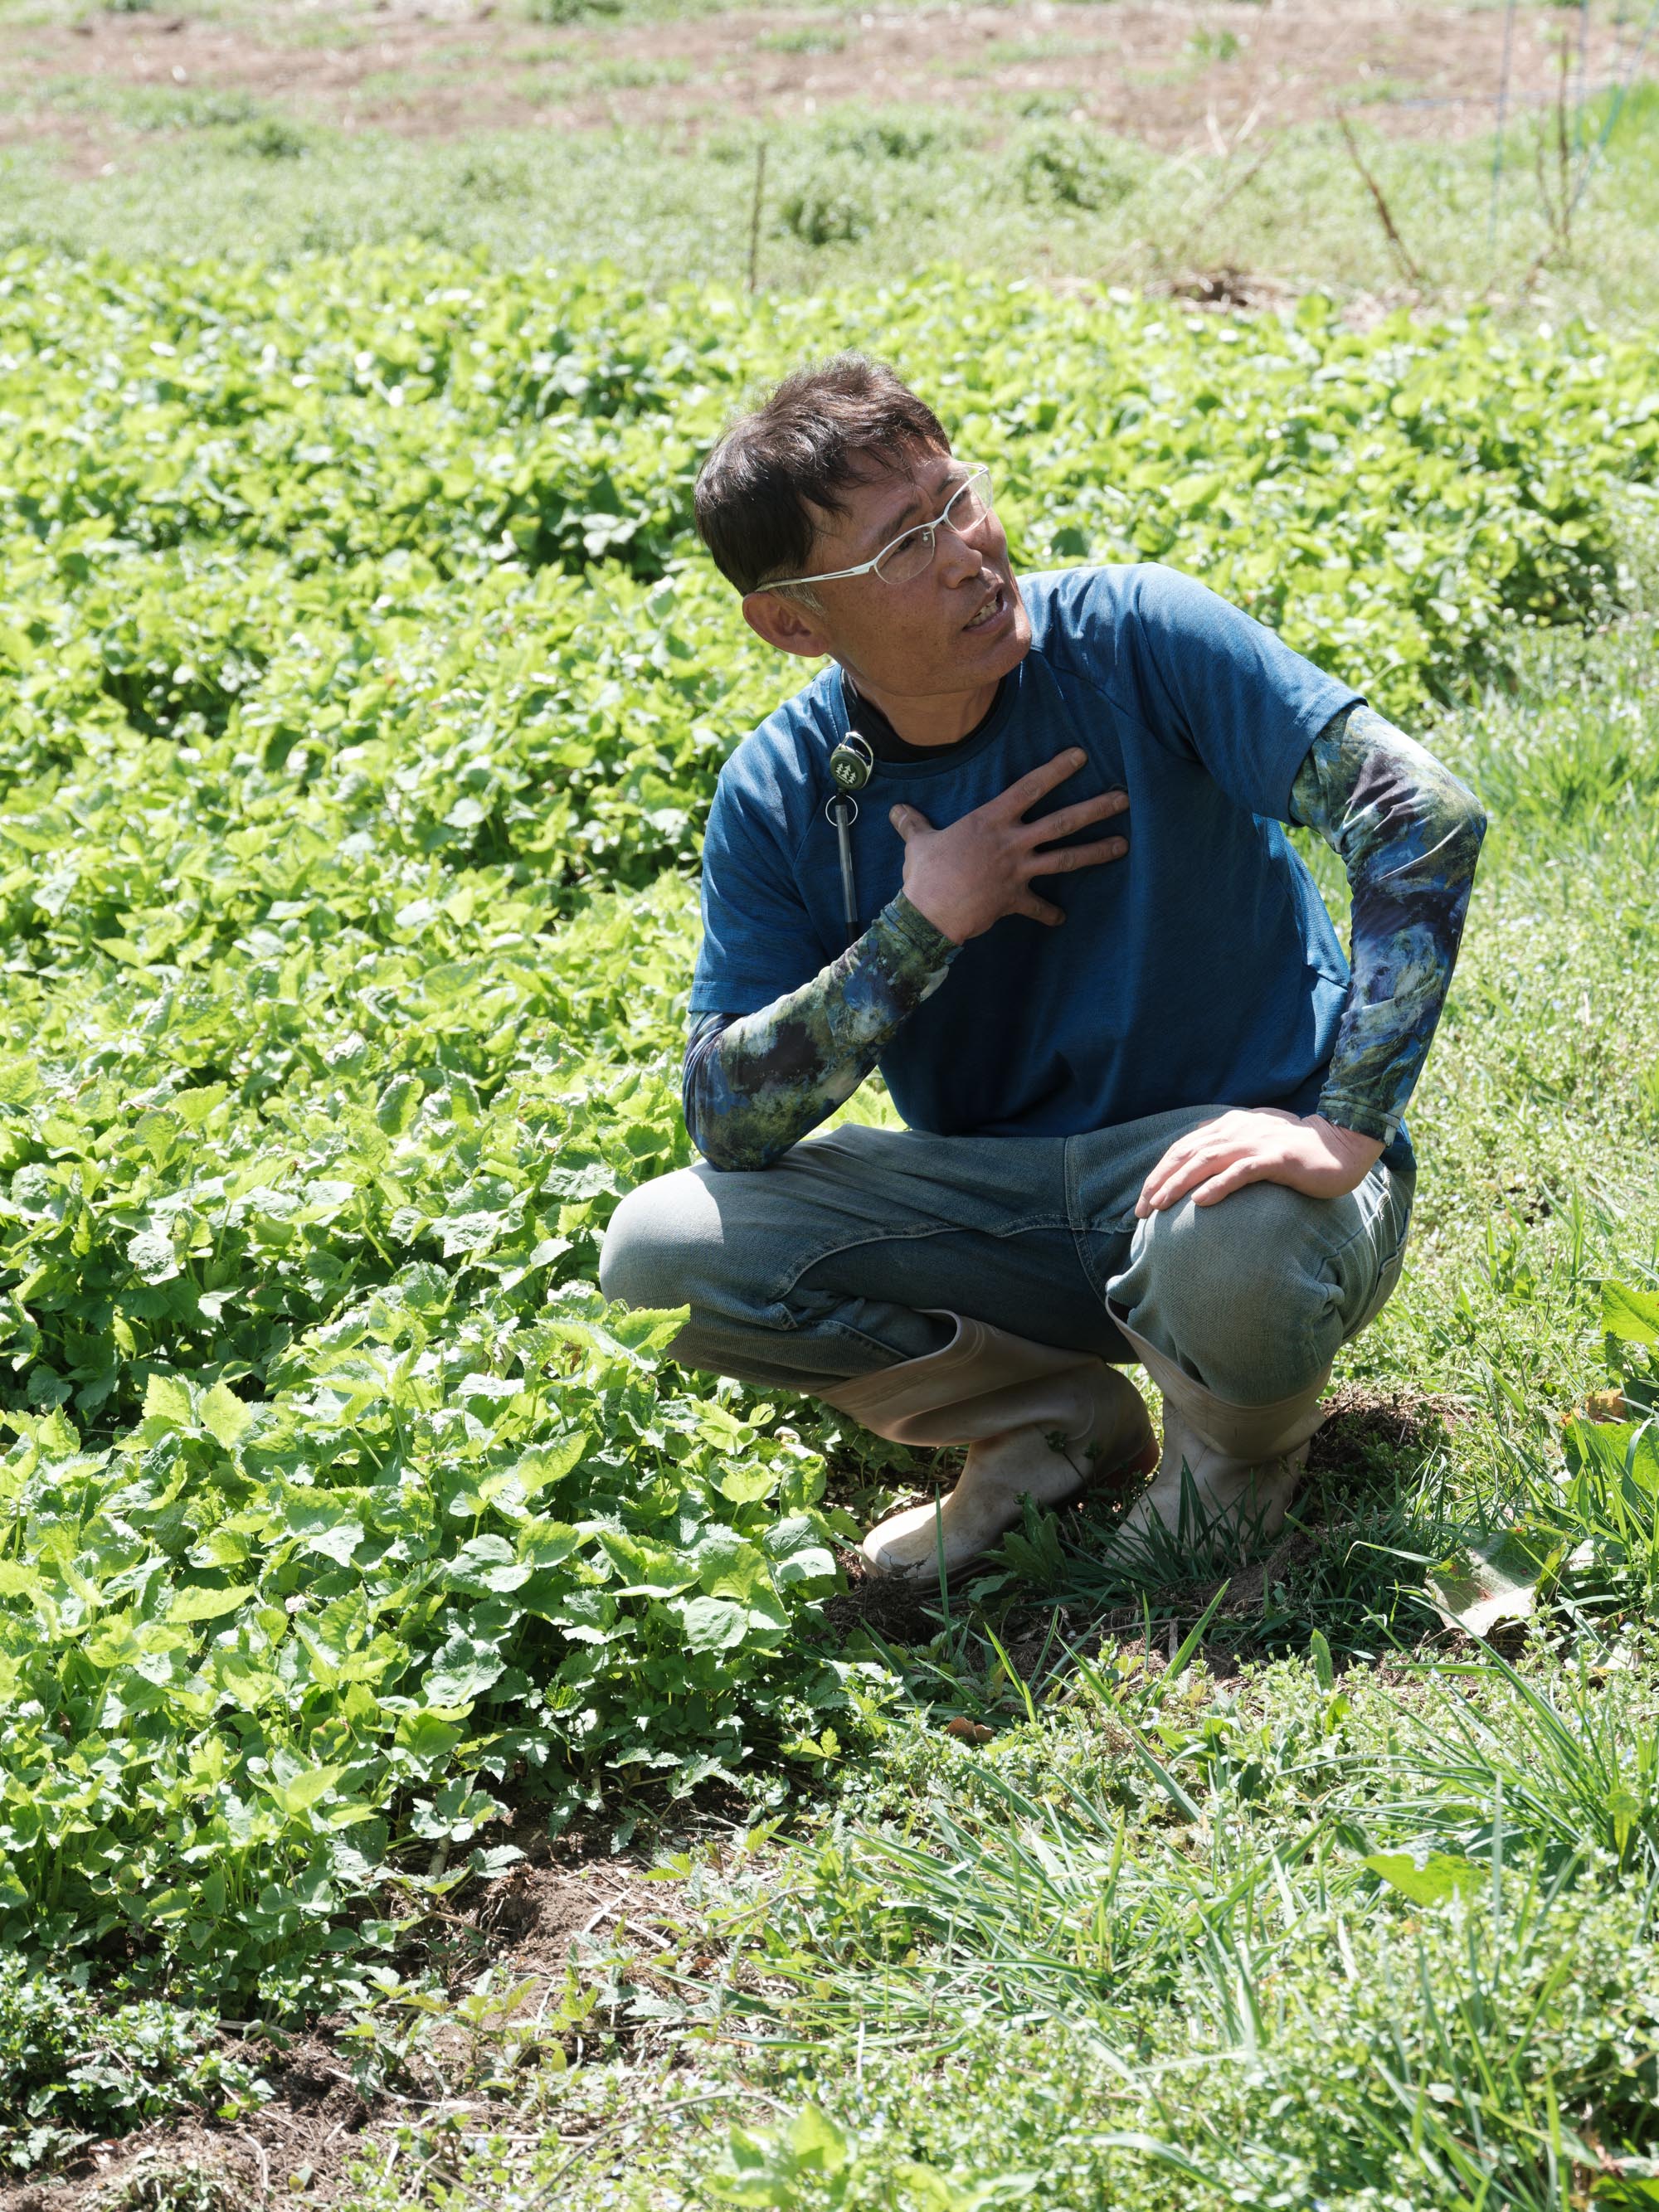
(819, 2144)
(711, 1624)
(194, 1106)
(1604, 1448)
(425, 1739)
(547, 1543)
(224, 1416)
(489, 1563)
(1625, 1809)
(812, 1564)
(747, 1485)
(1630, 1314)
(721, 1426)
(645, 1330)
(166, 1398)
(191, 1604)
(1194, 492)
(545, 1464)
(543, 1254)
(330, 1530)
(646, 1570)
(930, 2190)
(152, 1256)
(463, 1669)
(19, 1082)
(398, 1105)
(248, 1685)
(1432, 1879)
(157, 1132)
(305, 1789)
(743, 1572)
(54, 1435)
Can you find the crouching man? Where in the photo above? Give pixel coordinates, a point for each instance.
(1017, 846)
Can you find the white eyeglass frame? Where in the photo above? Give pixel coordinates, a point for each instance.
(979, 473)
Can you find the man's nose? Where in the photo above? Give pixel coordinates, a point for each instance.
(958, 559)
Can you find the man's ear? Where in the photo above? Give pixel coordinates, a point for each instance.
(786, 625)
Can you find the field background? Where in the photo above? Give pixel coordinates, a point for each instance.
(451, 1759)
(1124, 144)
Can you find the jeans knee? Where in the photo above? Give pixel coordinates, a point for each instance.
(651, 1248)
(1229, 1292)
(1250, 1244)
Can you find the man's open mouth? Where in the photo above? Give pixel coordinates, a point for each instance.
(987, 614)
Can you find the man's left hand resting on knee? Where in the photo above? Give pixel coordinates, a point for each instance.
(1074, 911)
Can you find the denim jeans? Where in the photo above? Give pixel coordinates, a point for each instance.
(842, 1258)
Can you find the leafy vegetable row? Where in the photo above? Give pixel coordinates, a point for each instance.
(1390, 498)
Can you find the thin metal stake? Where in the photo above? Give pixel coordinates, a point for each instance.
(1616, 109)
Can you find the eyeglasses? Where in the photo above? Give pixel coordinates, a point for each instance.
(911, 554)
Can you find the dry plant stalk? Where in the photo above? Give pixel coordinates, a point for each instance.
(755, 216)
(1413, 275)
(1557, 197)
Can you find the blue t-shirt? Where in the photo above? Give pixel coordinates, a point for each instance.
(1201, 970)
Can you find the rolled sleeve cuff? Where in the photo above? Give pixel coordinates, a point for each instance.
(1358, 1114)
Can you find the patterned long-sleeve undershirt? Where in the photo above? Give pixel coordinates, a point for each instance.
(1408, 833)
(754, 1086)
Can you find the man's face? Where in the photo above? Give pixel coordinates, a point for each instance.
(959, 625)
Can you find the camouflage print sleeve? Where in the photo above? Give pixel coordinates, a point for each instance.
(1408, 833)
(755, 1086)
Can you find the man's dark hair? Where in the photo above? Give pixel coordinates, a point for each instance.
(805, 442)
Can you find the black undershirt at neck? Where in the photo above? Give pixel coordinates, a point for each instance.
(884, 741)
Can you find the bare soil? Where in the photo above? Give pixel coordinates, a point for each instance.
(1196, 76)
(299, 2149)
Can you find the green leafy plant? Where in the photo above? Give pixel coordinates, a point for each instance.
(1612, 1453)
(73, 2068)
(1069, 165)
(292, 1650)
(837, 203)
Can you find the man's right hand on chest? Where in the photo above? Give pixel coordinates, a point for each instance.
(966, 878)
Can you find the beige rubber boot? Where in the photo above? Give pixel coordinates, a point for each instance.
(1224, 1468)
(1038, 1422)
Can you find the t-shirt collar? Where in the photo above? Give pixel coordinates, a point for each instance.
(895, 754)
